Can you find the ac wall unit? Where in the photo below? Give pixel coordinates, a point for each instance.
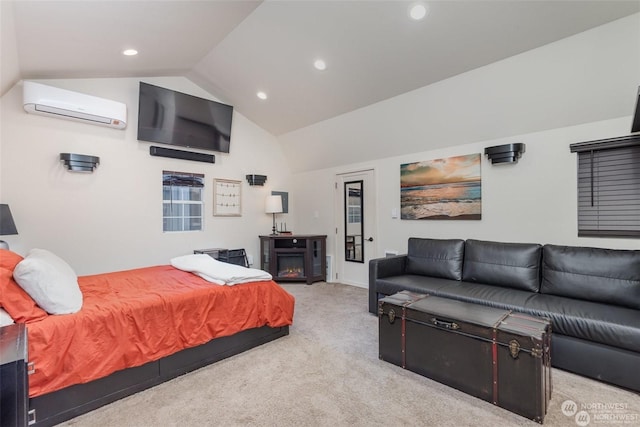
(65, 104)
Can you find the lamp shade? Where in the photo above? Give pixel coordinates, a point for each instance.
(7, 226)
(273, 204)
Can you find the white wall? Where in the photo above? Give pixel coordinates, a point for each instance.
(579, 89)
(588, 77)
(9, 68)
(531, 201)
(111, 219)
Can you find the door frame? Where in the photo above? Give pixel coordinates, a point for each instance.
(369, 215)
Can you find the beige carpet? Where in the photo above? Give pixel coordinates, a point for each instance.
(327, 373)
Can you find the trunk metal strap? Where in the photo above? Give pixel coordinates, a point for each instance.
(494, 357)
(404, 336)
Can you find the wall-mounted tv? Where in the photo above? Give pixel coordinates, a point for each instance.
(169, 117)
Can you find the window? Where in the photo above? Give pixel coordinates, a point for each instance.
(609, 187)
(182, 205)
(354, 215)
(354, 204)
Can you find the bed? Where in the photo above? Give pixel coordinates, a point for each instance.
(136, 329)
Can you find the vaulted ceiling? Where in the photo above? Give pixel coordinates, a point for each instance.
(233, 49)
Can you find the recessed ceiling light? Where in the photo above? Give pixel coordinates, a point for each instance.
(319, 64)
(418, 11)
(130, 52)
(261, 95)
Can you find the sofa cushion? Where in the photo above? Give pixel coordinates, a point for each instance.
(435, 258)
(412, 283)
(610, 276)
(493, 296)
(511, 265)
(591, 321)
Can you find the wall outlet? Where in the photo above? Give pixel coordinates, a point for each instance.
(250, 260)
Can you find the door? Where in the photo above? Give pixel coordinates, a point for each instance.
(355, 227)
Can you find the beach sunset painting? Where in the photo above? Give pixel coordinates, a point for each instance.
(441, 189)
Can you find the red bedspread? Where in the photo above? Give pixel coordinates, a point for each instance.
(132, 317)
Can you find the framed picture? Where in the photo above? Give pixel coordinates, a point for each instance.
(227, 197)
(441, 189)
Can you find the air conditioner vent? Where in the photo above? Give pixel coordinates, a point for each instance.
(65, 104)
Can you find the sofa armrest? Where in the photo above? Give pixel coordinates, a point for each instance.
(380, 268)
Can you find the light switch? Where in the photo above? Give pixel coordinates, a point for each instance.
(394, 213)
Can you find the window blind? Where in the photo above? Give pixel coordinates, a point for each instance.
(183, 179)
(609, 187)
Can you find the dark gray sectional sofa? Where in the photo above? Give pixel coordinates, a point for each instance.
(591, 295)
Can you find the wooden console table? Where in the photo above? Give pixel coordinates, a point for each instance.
(294, 258)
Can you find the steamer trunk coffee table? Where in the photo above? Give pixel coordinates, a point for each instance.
(494, 354)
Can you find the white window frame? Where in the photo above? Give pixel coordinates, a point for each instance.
(191, 184)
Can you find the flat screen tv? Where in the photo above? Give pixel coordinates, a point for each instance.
(169, 117)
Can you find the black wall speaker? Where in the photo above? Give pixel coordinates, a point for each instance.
(79, 162)
(256, 179)
(179, 154)
(507, 153)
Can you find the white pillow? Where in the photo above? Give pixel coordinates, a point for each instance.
(5, 319)
(218, 272)
(196, 263)
(193, 262)
(209, 279)
(50, 281)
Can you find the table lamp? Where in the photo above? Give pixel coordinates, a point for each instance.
(7, 226)
(273, 205)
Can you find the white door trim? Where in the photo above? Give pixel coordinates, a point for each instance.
(371, 226)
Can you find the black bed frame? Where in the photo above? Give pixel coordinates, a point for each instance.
(62, 405)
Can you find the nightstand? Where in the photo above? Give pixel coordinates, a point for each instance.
(13, 375)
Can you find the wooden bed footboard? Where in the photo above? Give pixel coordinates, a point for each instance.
(62, 405)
